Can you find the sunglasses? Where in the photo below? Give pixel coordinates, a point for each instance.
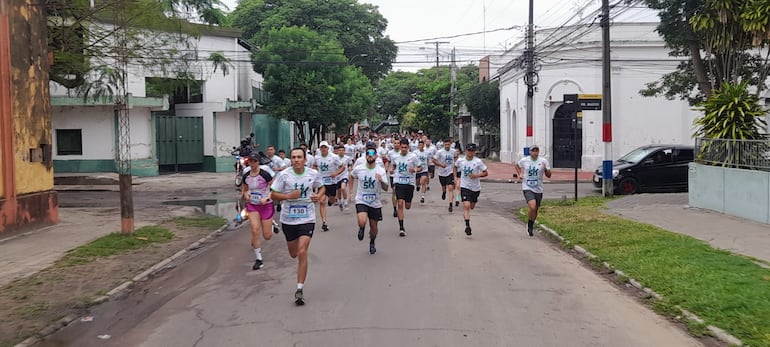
(371, 152)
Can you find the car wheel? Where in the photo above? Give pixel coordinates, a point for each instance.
(628, 186)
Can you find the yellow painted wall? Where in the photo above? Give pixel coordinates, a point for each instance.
(31, 104)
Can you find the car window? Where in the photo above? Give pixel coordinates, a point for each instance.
(660, 157)
(635, 156)
(683, 155)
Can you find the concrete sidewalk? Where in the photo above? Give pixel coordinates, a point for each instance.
(503, 172)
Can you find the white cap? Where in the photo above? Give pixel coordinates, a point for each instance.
(324, 143)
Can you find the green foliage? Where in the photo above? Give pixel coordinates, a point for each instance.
(308, 76)
(483, 102)
(220, 61)
(358, 27)
(206, 222)
(115, 243)
(731, 113)
(85, 44)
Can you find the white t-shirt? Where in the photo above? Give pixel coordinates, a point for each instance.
(350, 150)
(533, 173)
(286, 162)
(309, 160)
(301, 210)
(401, 165)
(467, 167)
(368, 190)
(448, 158)
(276, 163)
(432, 150)
(424, 157)
(327, 166)
(347, 162)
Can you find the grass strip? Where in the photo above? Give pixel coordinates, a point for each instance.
(726, 290)
(208, 222)
(115, 243)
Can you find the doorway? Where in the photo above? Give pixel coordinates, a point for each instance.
(566, 141)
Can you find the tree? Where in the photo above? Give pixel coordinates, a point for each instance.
(310, 81)
(359, 28)
(85, 40)
(396, 91)
(726, 30)
(483, 102)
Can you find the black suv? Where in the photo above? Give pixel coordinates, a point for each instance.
(650, 168)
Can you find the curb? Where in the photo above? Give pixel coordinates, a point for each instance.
(69, 319)
(505, 180)
(720, 334)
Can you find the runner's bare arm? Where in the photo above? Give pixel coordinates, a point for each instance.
(318, 194)
(276, 196)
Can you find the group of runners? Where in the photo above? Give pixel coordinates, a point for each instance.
(325, 179)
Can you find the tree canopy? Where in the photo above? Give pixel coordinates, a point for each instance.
(359, 28)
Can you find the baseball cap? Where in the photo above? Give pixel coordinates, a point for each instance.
(370, 144)
(471, 147)
(324, 143)
(534, 147)
(420, 132)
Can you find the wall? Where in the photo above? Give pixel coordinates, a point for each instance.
(639, 57)
(25, 118)
(737, 192)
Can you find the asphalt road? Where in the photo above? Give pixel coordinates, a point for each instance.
(436, 287)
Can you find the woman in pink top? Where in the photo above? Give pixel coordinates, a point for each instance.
(256, 192)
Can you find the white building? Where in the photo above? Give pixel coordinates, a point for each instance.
(573, 65)
(196, 129)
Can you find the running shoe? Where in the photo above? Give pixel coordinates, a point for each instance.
(299, 298)
(443, 195)
(457, 203)
(257, 265)
(342, 206)
(325, 227)
(395, 213)
(450, 207)
(530, 231)
(360, 234)
(468, 231)
(372, 249)
(422, 200)
(402, 233)
(276, 228)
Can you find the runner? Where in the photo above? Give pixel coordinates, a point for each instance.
(404, 166)
(329, 166)
(276, 163)
(368, 203)
(459, 149)
(445, 160)
(471, 169)
(390, 167)
(309, 158)
(256, 193)
(294, 189)
(343, 180)
(532, 183)
(422, 175)
(432, 150)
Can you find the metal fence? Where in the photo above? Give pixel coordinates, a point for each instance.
(740, 154)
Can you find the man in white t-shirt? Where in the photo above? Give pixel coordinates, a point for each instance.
(533, 168)
(372, 181)
(276, 163)
(404, 165)
(293, 187)
(445, 160)
(343, 180)
(329, 166)
(470, 169)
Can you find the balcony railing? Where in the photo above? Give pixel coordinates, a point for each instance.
(740, 154)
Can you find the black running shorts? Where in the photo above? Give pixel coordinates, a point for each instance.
(404, 192)
(331, 189)
(371, 212)
(469, 195)
(293, 232)
(447, 180)
(421, 174)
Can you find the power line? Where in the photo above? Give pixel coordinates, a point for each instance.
(461, 35)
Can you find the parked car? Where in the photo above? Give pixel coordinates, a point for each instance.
(651, 168)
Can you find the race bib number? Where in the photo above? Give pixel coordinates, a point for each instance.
(370, 198)
(327, 180)
(449, 161)
(403, 180)
(532, 183)
(255, 198)
(298, 211)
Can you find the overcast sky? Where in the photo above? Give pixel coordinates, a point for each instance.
(410, 20)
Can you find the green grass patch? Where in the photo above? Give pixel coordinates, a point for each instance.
(208, 222)
(115, 243)
(726, 290)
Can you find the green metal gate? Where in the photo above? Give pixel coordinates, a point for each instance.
(179, 142)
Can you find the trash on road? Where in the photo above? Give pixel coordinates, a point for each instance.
(104, 337)
(87, 319)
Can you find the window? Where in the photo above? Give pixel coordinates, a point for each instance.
(684, 155)
(69, 142)
(181, 91)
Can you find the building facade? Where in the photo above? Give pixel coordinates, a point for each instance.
(574, 66)
(195, 129)
(27, 197)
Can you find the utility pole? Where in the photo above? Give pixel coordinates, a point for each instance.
(453, 74)
(123, 155)
(531, 78)
(607, 186)
(437, 43)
